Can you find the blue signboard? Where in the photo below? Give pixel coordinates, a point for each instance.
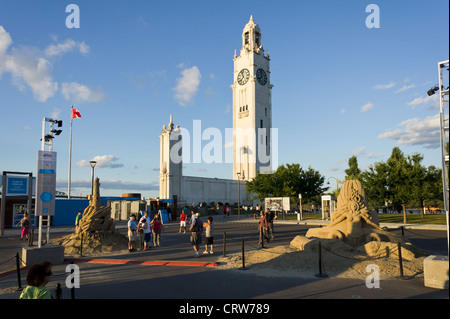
(16, 186)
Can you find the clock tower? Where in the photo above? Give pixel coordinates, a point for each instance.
(252, 106)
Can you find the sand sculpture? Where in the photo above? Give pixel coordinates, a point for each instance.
(353, 223)
(96, 231)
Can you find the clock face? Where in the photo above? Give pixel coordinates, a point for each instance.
(243, 76)
(261, 76)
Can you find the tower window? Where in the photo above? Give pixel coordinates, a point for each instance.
(257, 38)
(266, 111)
(246, 37)
(261, 123)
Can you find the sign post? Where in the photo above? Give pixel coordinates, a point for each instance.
(45, 189)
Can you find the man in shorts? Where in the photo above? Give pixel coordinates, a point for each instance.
(132, 227)
(196, 234)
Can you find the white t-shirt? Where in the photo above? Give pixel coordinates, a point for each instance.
(147, 224)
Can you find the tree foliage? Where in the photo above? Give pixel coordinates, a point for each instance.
(288, 181)
(402, 180)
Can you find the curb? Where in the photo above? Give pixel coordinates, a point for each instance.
(136, 262)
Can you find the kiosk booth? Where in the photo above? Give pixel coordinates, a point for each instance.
(328, 206)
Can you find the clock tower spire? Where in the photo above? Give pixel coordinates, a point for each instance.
(252, 106)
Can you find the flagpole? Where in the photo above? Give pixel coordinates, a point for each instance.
(70, 152)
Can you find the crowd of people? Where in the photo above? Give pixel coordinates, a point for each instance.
(152, 228)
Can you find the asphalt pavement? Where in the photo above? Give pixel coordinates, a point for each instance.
(179, 277)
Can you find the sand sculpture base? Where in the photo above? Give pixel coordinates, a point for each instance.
(96, 231)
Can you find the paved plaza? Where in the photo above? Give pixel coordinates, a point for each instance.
(180, 276)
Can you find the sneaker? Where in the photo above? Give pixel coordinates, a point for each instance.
(211, 252)
(196, 255)
(205, 252)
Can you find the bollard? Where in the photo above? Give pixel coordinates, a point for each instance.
(320, 274)
(400, 261)
(19, 281)
(58, 291)
(403, 230)
(224, 244)
(243, 257)
(30, 237)
(72, 290)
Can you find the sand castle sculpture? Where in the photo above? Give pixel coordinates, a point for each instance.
(96, 230)
(352, 223)
(96, 217)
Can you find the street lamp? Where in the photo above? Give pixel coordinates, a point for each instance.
(92, 177)
(337, 185)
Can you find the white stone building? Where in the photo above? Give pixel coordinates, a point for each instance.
(252, 136)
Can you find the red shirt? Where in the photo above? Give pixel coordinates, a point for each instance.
(183, 217)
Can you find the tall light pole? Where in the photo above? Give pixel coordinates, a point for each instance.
(239, 194)
(337, 183)
(92, 176)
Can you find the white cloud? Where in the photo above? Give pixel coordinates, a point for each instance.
(187, 85)
(425, 100)
(29, 67)
(69, 45)
(81, 93)
(405, 88)
(5, 42)
(359, 151)
(366, 107)
(417, 132)
(113, 184)
(384, 86)
(102, 161)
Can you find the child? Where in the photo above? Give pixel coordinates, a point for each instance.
(183, 218)
(209, 235)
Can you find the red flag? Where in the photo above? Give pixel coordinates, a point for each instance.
(75, 114)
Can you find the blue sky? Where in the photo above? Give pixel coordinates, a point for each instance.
(340, 88)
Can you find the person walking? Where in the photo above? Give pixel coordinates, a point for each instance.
(156, 230)
(183, 218)
(209, 226)
(25, 225)
(196, 229)
(262, 227)
(38, 276)
(270, 216)
(144, 224)
(132, 227)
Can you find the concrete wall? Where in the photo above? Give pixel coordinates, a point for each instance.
(203, 189)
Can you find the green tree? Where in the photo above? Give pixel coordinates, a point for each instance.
(374, 182)
(400, 179)
(288, 181)
(353, 171)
